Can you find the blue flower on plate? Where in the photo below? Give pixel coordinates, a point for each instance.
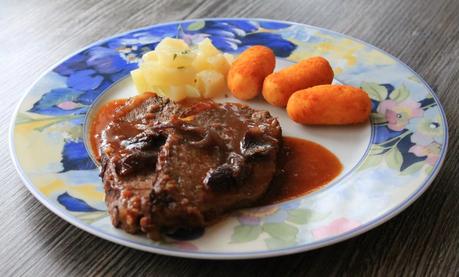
(88, 70)
(237, 35)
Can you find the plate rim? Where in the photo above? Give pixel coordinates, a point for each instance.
(230, 255)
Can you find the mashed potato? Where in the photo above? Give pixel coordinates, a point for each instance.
(177, 71)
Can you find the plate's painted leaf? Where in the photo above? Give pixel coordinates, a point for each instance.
(75, 157)
(383, 134)
(399, 94)
(409, 158)
(376, 149)
(414, 79)
(275, 243)
(371, 161)
(23, 118)
(394, 158)
(60, 101)
(389, 87)
(282, 231)
(413, 168)
(299, 216)
(378, 118)
(74, 204)
(244, 233)
(375, 91)
(427, 102)
(374, 105)
(75, 132)
(197, 25)
(428, 170)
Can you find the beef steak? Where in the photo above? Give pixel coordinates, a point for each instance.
(168, 166)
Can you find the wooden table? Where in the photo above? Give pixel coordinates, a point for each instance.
(423, 240)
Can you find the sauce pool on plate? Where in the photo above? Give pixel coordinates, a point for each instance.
(305, 165)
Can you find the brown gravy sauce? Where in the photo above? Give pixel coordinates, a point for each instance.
(104, 115)
(305, 165)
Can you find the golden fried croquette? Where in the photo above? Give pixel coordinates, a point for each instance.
(246, 74)
(278, 86)
(329, 105)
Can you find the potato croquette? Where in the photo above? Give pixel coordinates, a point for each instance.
(246, 74)
(329, 105)
(278, 86)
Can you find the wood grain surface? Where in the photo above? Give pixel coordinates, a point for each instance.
(421, 241)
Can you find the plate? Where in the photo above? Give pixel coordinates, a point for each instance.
(388, 162)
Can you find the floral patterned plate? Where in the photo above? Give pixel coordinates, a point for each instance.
(388, 162)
